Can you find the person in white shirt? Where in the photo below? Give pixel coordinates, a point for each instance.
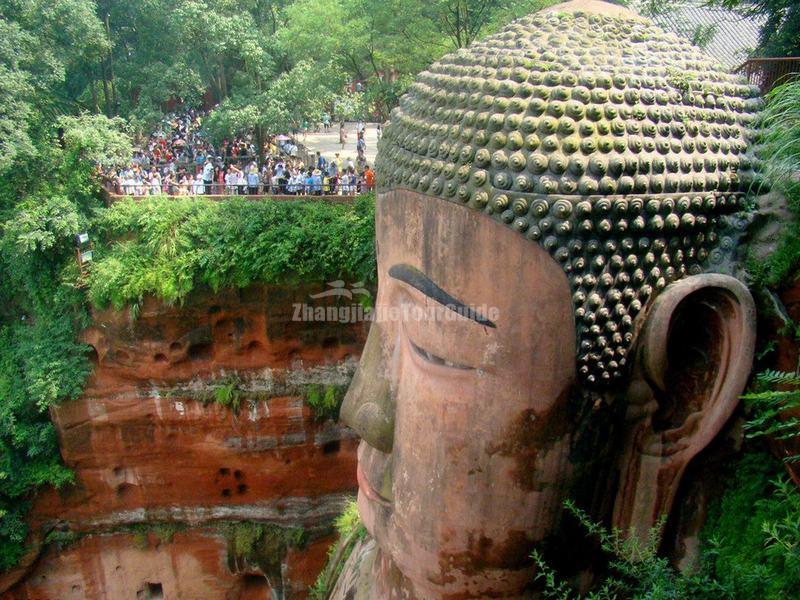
(208, 175)
(198, 189)
(155, 184)
(230, 181)
(129, 185)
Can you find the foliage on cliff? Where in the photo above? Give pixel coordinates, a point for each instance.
(46, 198)
(261, 545)
(781, 153)
(752, 537)
(751, 547)
(350, 530)
(636, 571)
(169, 247)
(325, 400)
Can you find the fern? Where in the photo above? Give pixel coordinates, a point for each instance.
(771, 377)
(773, 410)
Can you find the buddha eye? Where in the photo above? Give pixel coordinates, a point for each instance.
(436, 360)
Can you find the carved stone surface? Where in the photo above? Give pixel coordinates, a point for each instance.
(577, 176)
(613, 144)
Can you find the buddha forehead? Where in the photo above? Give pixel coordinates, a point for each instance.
(616, 146)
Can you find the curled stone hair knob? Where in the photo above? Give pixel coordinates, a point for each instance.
(537, 163)
(500, 202)
(502, 180)
(540, 207)
(562, 209)
(517, 161)
(520, 206)
(598, 165)
(523, 183)
(480, 199)
(605, 226)
(583, 208)
(587, 186)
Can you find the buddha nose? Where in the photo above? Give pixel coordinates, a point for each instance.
(368, 406)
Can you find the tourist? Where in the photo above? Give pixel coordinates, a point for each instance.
(317, 182)
(198, 189)
(252, 179)
(159, 164)
(241, 181)
(361, 147)
(155, 183)
(208, 175)
(230, 181)
(309, 183)
(369, 179)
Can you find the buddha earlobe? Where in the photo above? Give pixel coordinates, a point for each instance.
(693, 361)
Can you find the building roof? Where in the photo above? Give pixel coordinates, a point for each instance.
(730, 37)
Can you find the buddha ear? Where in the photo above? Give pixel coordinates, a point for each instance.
(693, 361)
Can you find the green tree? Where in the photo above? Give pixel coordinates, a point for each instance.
(780, 33)
(301, 94)
(44, 46)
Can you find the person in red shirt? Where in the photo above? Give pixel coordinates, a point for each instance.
(369, 178)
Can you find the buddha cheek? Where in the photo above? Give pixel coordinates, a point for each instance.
(445, 477)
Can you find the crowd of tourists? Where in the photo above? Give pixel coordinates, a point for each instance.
(177, 159)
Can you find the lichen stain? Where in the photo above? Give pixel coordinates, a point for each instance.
(531, 433)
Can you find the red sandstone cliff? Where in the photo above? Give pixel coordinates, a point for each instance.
(154, 451)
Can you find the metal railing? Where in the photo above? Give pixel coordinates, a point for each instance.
(766, 73)
(223, 190)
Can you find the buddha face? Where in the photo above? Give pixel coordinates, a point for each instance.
(466, 412)
(461, 400)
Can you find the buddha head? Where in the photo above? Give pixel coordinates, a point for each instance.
(550, 220)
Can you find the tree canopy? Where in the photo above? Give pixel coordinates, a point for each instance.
(780, 33)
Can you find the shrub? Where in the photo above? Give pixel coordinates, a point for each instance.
(350, 529)
(168, 247)
(753, 532)
(781, 154)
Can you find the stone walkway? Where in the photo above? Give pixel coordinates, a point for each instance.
(328, 143)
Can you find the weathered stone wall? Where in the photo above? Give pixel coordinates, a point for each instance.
(153, 447)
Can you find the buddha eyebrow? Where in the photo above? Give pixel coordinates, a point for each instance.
(419, 281)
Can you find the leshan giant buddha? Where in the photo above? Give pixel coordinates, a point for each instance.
(573, 173)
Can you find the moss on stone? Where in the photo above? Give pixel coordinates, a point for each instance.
(325, 400)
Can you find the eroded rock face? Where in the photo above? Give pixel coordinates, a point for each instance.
(154, 442)
(188, 566)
